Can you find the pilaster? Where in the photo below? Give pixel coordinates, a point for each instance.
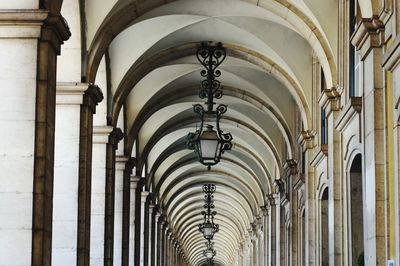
(134, 183)
(54, 32)
(115, 136)
(69, 97)
(127, 212)
(121, 162)
(91, 98)
(369, 40)
(143, 199)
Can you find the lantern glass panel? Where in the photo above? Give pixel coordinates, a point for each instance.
(208, 230)
(209, 254)
(208, 149)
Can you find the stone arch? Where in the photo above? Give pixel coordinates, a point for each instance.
(118, 19)
(355, 206)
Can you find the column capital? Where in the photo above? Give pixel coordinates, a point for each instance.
(279, 186)
(115, 136)
(151, 208)
(291, 166)
(329, 100)
(264, 210)
(55, 31)
(130, 164)
(134, 181)
(272, 199)
(144, 195)
(370, 33)
(93, 95)
(306, 139)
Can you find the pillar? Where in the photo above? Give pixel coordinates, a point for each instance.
(149, 243)
(115, 136)
(330, 102)
(134, 180)
(275, 222)
(292, 171)
(266, 232)
(30, 42)
(91, 98)
(306, 140)
(139, 217)
(155, 237)
(282, 236)
(143, 198)
(368, 39)
(120, 164)
(97, 224)
(126, 213)
(66, 177)
(160, 257)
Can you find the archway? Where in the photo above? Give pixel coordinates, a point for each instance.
(324, 228)
(355, 193)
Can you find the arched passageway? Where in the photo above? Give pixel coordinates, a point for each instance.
(98, 102)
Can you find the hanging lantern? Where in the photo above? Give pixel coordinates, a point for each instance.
(209, 253)
(208, 228)
(209, 142)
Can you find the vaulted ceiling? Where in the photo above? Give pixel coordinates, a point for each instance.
(154, 79)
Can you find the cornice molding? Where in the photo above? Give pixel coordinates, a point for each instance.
(101, 133)
(306, 139)
(320, 154)
(369, 34)
(391, 58)
(329, 100)
(353, 107)
(24, 24)
(70, 93)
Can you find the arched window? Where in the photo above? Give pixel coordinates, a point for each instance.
(356, 210)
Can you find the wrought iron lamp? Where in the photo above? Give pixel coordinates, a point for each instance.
(208, 228)
(209, 253)
(209, 142)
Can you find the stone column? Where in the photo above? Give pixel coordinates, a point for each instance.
(139, 220)
(275, 222)
(369, 40)
(292, 172)
(127, 229)
(306, 140)
(97, 225)
(91, 98)
(53, 32)
(134, 180)
(144, 195)
(115, 136)
(150, 230)
(66, 178)
(168, 248)
(260, 241)
(391, 63)
(330, 102)
(282, 236)
(266, 232)
(155, 238)
(160, 260)
(30, 41)
(120, 164)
